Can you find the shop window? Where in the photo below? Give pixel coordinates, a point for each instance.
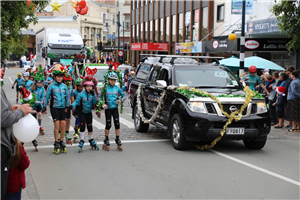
(104, 17)
(127, 21)
(220, 13)
(196, 25)
(204, 22)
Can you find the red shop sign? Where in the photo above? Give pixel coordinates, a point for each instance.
(150, 46)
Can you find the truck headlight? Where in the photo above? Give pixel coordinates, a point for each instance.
(196, 107)
(261, 108)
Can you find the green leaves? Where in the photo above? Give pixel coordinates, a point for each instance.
(17, 15)
(287, 13)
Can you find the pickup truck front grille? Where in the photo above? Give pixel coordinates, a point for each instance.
(213, 108)
(210, 108)
(254, 108)
(226, 108)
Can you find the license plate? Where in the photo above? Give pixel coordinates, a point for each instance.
(235, 131)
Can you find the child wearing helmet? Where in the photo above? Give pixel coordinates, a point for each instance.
(57, 92)
(67, 80)
(254, 80)
(18, 81)
(76, 92)
(112, 93)
(26, 82)
(84, 103)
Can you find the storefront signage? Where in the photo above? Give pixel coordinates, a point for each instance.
(111, 48)
(236, 7)
(263, 26)
(220, 45)
(149, 46)
(263, 44)
(189, 47)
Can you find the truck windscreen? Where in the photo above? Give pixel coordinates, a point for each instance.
(64, 51)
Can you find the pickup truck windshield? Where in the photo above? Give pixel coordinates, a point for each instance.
(196, 77)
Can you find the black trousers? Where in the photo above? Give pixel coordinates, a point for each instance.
(112, 113)
(5, 162)
(85, 118)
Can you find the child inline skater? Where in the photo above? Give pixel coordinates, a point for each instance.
(39, 92)
(18, 81)
(85, 102)
(76, 92)
(26, 82)
(58, 94)
(110, 105)
(67, 81)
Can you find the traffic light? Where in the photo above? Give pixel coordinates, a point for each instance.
(125, 47)
(99, 46)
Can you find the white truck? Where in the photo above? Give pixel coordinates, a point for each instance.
(63, 45)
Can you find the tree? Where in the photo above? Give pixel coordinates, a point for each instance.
(17, 15)
(287, 13)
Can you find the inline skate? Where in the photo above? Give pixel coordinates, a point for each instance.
(42, 131)
(68, 139)
(93, 144)
(62, 147)
(119, 144)
(81, 143)
(106, 145)
(35, 144)
(56, 148)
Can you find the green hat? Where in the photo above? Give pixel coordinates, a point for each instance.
(39, 77)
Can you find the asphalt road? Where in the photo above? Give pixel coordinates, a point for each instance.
(149, 167)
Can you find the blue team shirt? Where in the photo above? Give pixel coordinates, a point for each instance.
(253, 81)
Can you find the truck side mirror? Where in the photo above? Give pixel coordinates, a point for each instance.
(44, 52)
(161, 84)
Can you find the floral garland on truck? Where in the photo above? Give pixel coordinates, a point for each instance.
(191, 92)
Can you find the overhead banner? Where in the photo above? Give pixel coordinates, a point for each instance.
(188, 47)
(264, 44)
(263, 26)
(149, 46)
(237, 7)
(220, 45)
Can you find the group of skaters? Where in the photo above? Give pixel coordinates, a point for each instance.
(282, 92)
(67, 96)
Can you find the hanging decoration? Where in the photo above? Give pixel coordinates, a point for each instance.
(80, 7)
(102, 97)
(191, 92)
(55, 7)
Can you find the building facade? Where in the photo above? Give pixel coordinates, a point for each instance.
(123, 6)
(167, 23)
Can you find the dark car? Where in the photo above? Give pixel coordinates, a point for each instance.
(192, 118)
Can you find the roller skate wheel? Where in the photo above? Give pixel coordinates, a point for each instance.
(103, 146)
(80, 149)
(120, 148)
(107, 148)
(36, 149)
(65, 150)
(43, 133)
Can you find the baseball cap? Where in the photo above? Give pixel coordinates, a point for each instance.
(265, 70)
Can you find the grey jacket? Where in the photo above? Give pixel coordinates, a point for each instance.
(8, 118)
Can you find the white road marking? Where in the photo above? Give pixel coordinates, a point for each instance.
(10, 80)
(98, 124)
(256, 167)
(100, 143)
(129, 124)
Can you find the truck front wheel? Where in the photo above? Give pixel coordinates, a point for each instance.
(255, 144)
(139, 125)
(177, 136)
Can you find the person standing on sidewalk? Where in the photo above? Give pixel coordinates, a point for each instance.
(272, 99)
(9, 116)
(289, 71)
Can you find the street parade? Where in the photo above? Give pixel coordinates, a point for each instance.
(146, 99)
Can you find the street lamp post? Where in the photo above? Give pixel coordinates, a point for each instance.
(118, 23)
(123, 43)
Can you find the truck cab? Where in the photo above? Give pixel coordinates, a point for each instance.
(195, 117)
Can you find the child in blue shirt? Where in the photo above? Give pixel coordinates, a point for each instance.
(18, 81)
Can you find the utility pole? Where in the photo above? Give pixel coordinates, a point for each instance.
(123, 44)
(242, 44)
(118, 34)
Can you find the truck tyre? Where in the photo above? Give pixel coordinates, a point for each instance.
(253, 144)
(177, 136)
(139, 125)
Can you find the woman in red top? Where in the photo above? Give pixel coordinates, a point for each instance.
(16, 177)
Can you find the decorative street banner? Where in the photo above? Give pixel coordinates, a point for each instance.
(189, 47)
(220, 45)
(264, 44)
(237, 6)
(263, 26)
(149, 46)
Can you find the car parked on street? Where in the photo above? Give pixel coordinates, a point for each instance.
(191, 118)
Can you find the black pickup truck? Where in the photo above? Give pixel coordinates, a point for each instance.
(194, 118)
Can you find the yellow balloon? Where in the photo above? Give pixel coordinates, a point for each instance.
(55, 6)
(232, 36)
